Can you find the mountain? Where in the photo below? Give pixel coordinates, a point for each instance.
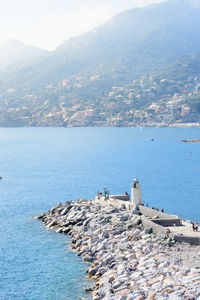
(96, 71)
(133, 42)
(14, 52)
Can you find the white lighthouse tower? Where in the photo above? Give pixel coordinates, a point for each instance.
(136, 192)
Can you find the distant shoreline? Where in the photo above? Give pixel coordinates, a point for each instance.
(159, 125)
(191, 141)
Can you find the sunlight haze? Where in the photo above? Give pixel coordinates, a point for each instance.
(48, 23)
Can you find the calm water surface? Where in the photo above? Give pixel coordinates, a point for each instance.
(44, 166)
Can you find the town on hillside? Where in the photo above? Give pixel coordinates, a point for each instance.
(89, 100)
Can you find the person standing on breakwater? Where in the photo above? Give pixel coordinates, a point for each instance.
(167, 233)
(193, 226)
(196, 225)
(105, 192)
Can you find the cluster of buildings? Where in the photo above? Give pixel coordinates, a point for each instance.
(81, 101)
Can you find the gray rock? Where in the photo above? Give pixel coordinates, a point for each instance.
(116, 284)
(86, 222)
(101, 271)
(65, 210)
(89, 259)
(41, 217)
(92, 271)
(107, 260)
(114, 211)
(66, 230)
(119, 230)
(123, 206)
(124, 218)
(149, 230)
(52, 223)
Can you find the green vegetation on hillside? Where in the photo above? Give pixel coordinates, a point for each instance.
(127, 72)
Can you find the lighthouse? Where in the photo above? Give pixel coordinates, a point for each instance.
(136, 192)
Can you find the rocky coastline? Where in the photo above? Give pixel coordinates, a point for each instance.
(191, 141)
(126, 261)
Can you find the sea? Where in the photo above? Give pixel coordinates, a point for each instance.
(44, 166)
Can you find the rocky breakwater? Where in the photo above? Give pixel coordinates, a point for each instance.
(191, 141)
(125, 260)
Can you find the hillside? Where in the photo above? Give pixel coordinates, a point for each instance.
(133, 42)
(168, 96)
(113, 74)
(13, 52)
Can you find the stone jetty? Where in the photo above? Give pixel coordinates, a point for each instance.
(191, 141)
(126, 261)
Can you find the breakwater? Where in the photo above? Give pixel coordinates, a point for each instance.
(191, 141)
(126, 260)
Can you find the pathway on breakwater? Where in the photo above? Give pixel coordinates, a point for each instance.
(126, 261)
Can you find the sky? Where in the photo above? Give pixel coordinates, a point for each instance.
(49, 23)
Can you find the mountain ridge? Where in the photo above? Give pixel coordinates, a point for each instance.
(85, 69)
(160, 25)
(15, 52)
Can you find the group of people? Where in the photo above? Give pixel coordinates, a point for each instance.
(105, 193)
(195, 226)
(155, 208)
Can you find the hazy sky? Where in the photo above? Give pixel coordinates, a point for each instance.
(48, 23)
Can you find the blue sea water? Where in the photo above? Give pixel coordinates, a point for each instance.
(44, 166)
